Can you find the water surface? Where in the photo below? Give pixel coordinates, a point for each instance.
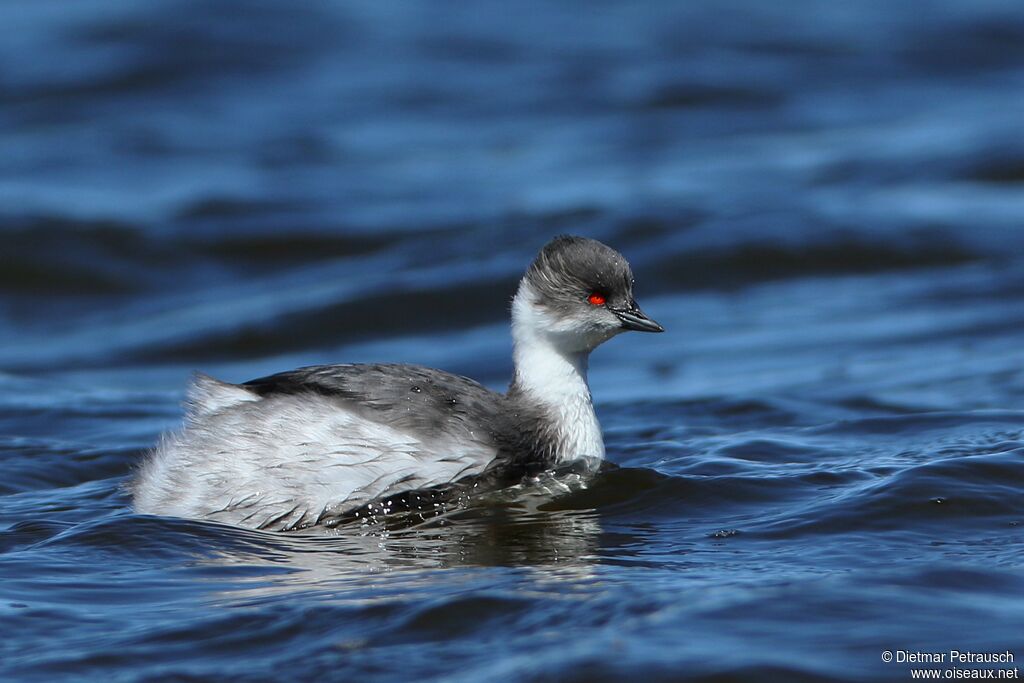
(819, 461)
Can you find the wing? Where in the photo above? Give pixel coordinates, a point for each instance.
(289, 450)
(428, 403)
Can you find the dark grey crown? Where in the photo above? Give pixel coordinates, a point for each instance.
(569, 269)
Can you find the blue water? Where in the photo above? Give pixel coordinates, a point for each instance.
(819, 461)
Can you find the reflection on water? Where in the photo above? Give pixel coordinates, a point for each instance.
(555, 549)
(506, 529)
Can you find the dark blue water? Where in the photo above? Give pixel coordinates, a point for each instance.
(822, 459)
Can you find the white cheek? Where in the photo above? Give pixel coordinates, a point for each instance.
(579, 334)
(599, 335)
(582, 333)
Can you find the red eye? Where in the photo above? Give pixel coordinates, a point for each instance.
(596, 299)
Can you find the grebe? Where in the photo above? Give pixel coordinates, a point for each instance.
(318, 444)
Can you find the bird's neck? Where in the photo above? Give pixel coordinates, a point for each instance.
(555, 381)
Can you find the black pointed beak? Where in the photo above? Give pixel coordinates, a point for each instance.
(634, 319)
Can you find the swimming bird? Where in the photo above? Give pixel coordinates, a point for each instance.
(321, 444)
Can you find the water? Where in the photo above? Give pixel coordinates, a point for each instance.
(819, 461)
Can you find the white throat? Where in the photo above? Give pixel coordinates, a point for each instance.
(555, 379)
